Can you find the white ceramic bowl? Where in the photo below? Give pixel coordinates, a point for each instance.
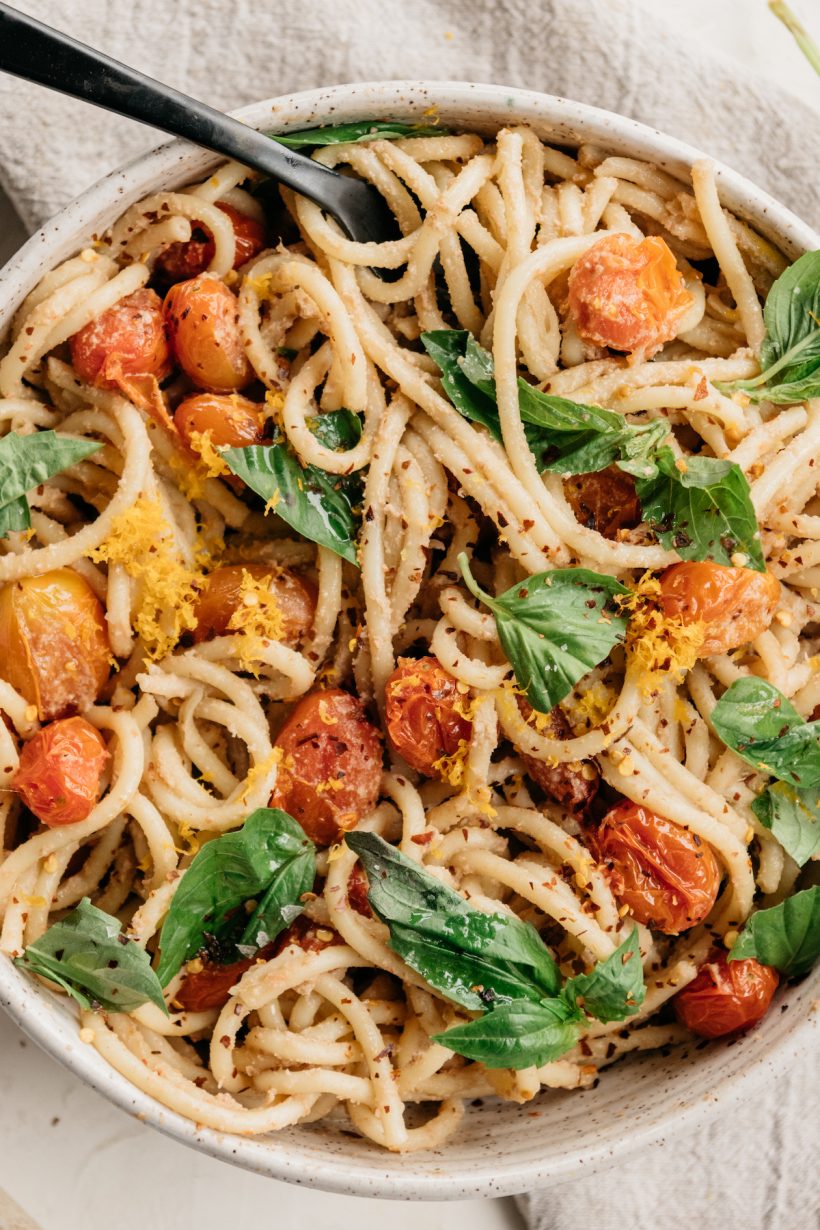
(500, 1148)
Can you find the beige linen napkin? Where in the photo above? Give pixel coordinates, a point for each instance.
(757, 1169)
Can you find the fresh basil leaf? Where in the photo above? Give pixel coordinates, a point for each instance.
(15, 515)
(554, 627)
(318, 505)
(88, 956)
(790, 354)
(28, 460)
(703, 512)
(473, 394)
(787, 936)
(472, 957)
(758, 722)
(348, 134)
(517, 1035)
(615, 988)
(793, 817)
(269, 859)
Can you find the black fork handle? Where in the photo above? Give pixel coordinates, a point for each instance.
(39, 53)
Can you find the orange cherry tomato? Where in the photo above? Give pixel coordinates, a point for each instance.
(628, 294)
(735, 604)
(332, 764)
(229, 419)
(186, 260)
(667, 876)
(222, 593)
(422, 713)
(201, 315)
(60, 771)
(128, 340)
(572, 784)
(54, 646)
(726, 997)
(606, 501)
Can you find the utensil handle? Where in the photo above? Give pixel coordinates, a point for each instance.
(39, 53)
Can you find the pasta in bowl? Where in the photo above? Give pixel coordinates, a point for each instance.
(409, 648)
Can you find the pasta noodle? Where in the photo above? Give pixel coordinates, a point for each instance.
(491, 231)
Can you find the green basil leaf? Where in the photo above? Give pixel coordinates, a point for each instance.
(790, 354)
(15, 515)
(787, 936)
(705, 512)
(564, 436)
(554, 627)
(28, 460)
(318, 505)
(455, 947)
(758, 722)
(88, 956)
(348, 134)
(615, 988)
(517, 1035)
(269, 860)
(794, 818)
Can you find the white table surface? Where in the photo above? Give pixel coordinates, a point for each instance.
(66, 1155)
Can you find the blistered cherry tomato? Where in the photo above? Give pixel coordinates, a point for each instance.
(186, 260)
(229, 419)
(572, 784)
(308, 935)
(424, 713)
(726, 996)
(606, 501)
(60, 771)
(201, 315)
(54, 646)
(210, 986)
(222, 593)
(628, 294)
(332, 764)
(735, 604)
(667, 876)
(128, 340)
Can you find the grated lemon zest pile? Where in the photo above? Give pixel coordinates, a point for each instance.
(589, 708)
(660, 646)
(142, 541)
(257, 618)
(451, 768)
(273, 759)
(275, 403)
(190, 838)
(212, 461)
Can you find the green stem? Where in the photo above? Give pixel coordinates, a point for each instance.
(473, 585)
(804, 40)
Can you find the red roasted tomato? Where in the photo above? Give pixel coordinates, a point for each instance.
(572, 784)
(606, 501)
(201, 315)
(735, 604)
(332, 764)
(60, 771)
(186, 260)
(667, 876)
(127, 341)
(422, 713)
(628, 294)
(726, 997)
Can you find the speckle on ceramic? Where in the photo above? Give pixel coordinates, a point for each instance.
(500, 1148)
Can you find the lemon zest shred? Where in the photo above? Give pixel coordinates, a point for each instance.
(142, 541)
(211, 459)
(272, 760)
(451, 769)
(257, 618)
(659, 645)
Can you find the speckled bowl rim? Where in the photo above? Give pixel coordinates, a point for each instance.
(735, 1070)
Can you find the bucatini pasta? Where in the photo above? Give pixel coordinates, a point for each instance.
(494, 546)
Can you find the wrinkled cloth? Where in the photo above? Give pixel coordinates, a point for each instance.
(758, 1167)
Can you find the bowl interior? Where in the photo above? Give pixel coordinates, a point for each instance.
(500, 1148)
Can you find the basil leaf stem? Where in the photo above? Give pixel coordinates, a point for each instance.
(88, 956)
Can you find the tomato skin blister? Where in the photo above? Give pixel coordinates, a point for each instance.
(628, 294)
(331, 766)
(183, 260)
(726, 997)
(605, 501)
(229, 420)
(128, 340)
(60, 771)
(201, 315)
(734, 604)
(666, 875)
(424, 713)
(572, 785)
